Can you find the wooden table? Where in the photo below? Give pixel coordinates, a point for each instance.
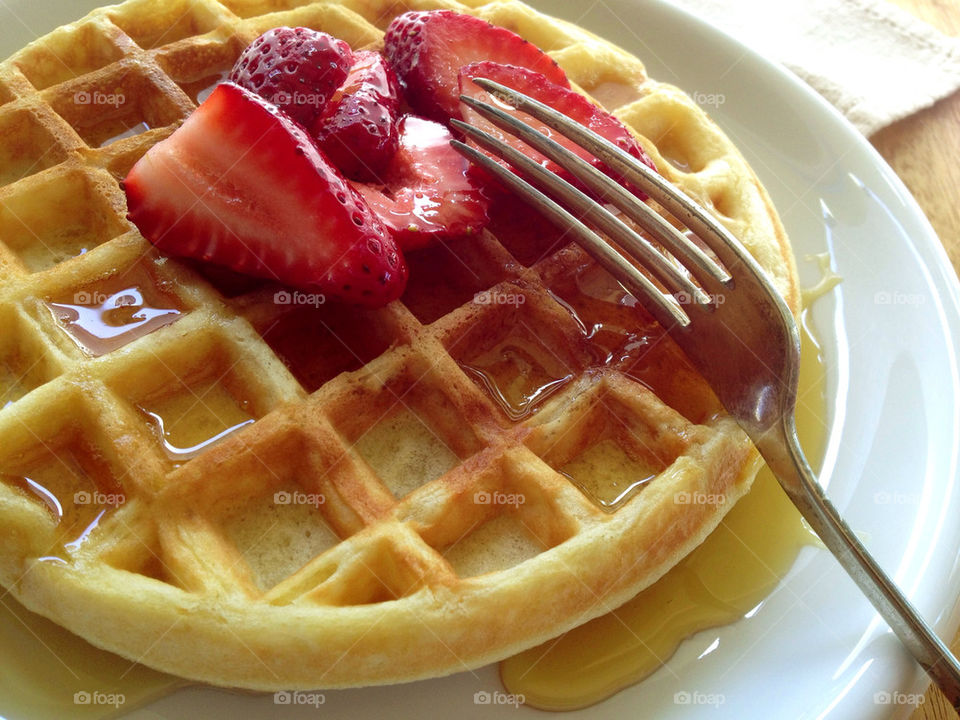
(924, 150)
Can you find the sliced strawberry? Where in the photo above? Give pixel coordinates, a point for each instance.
(430, 195)
(297, 69)
(239, 184)
(358, 129)
(567, 101)
(427, 49)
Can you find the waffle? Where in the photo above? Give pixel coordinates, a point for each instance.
(245, 486)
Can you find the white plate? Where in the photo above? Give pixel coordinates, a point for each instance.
(815, 648)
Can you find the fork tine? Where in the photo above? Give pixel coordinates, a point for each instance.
(703, 266)
(632, 242)
(724, 245)
(664, 309)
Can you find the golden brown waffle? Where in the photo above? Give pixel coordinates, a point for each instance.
(216, 478)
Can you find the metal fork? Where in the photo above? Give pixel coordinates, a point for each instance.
(747, 347)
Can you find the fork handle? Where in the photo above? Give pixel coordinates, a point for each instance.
(792, 470)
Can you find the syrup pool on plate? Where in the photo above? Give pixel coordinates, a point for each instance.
(47, 673)
(720, 582)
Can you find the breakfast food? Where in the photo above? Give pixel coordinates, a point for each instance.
(238, 176)
(249, 484)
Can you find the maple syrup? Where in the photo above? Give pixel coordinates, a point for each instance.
(721, 581)
(514, 376)
(74, 485)
(351, 337)
(105, 317)
(47, 673)
(51, 673)
(607, 474)
(189, 422)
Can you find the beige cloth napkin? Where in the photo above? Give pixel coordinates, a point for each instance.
(874, 61)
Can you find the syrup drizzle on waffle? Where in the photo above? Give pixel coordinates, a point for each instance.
(433, 450)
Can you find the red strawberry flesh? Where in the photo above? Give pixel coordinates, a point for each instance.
(297, 69)
(358, 129)
(427, 49)
(241, 185)
(430, 193)
(567, 101)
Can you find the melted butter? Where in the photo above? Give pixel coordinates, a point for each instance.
(720, 582)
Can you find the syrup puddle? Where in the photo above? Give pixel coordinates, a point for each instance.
(513, 376)
(75, 487)
(724, 580)
(100, 323)
(47, 673)
(45, 496)
(828, 279)
(607, 474)
(182, 454)
(190, 421)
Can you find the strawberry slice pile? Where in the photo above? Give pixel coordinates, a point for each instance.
(297, 69)
(318, 166)
(429, 192)
(358, 129)
(263, 201)
(427, 49)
